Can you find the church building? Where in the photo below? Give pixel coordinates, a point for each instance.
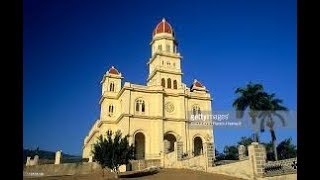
(156, 116)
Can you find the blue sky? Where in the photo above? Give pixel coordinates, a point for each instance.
(69, 45)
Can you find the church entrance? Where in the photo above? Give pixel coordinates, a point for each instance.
(197, 146)
(169, 140)
(139, 145)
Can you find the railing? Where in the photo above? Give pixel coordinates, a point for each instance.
(285, 166)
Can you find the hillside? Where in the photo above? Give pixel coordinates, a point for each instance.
(49, 155)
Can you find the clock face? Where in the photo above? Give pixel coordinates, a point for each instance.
(169, 107)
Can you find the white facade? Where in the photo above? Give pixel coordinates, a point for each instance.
(155, 115)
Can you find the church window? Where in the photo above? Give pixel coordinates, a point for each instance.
(160, 47)
(168, 48)
(162, 62)
(169, 83)
(175, 84)
(112, 86)
(168, 63)
(137, 106)
(174, 64)
(196, 110)
(143, 107)
(111, 109)
(163, 82)
(140, 106)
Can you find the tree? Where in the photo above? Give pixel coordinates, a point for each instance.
(231, 152)
(271, 108)
(269, 151)
(219, 156)
(286, 149)
(112, 152)
(249, 97)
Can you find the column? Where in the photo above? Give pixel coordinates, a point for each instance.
(257, 157)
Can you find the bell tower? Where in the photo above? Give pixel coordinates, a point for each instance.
(111, 81)
(165, 61)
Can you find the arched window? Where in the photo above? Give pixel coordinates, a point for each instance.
(169, 83)
(163, 82)
(196, 110)
(167, 48)
(112, 86)
(175, 86)
(143, 107)
(137, 106)
(160, 47)
(111, 109)
(140, 106)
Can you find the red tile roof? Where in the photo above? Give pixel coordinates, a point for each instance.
(163, 27)
(113, 70)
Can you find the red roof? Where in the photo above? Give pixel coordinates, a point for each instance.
(198, 84)
(113, 70)
(163, 27)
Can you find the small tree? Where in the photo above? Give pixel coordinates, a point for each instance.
(112, 152)
(219, 156)
(269, 150)
(286, 149)
(231, 152)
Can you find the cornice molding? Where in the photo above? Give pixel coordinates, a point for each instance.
(173, 55)
(163, 71)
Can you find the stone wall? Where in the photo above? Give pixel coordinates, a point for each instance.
(142, 164)
(281, 167)
(241, 169)
(170, 159)
(194, 163)
(32, 162)
(257, 167)
(258, 158)
(242, 152)
(61, 169)
(210, 154)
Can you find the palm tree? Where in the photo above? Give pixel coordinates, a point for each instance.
(272, 108)
(251, 96)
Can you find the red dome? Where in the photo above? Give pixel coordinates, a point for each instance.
(113, 70)
(196, 83)
(163, 27)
